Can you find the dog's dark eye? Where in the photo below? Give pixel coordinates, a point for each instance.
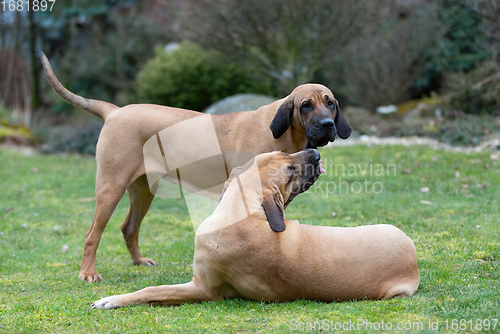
(330, 104)
(307, 106)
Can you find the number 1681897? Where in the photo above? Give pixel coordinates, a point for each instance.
(27, 5)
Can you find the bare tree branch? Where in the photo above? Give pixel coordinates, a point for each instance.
(289, 39)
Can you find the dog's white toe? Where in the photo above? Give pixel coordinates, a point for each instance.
(106, 303)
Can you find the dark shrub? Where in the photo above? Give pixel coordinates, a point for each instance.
(477, 91)
(192, 78)
(81, 141)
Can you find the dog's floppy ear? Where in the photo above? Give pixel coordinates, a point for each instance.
(273, 207)
(343, 128)
(282, 119)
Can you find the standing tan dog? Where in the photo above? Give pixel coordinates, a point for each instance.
(307, 118)
(237, 255)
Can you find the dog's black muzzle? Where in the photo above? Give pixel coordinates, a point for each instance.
(320, 133)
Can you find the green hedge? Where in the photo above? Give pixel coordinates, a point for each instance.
(192, 78)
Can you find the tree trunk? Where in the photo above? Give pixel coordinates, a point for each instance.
(35, 67)
(2, 31)
(12, 58)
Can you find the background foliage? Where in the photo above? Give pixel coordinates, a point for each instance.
(192, 78)
(370, 53)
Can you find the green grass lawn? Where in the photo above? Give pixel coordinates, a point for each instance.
(46, 203)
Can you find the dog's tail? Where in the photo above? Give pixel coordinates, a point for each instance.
(99, 108)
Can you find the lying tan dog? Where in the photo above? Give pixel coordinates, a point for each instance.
(309, 117)
(238, 255)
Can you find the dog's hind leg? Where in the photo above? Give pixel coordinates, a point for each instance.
(401, 290)
(108, 194)
(140, 200)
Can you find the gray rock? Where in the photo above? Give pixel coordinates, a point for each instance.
(385, 110)
(239, 102)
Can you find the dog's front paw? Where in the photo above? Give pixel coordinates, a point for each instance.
(106, 303)
(90, 277)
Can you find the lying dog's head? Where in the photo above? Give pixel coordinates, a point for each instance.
(313, 109)
(282, 177)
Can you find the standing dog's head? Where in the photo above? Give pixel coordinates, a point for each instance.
(282, 177)
(314, 109)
